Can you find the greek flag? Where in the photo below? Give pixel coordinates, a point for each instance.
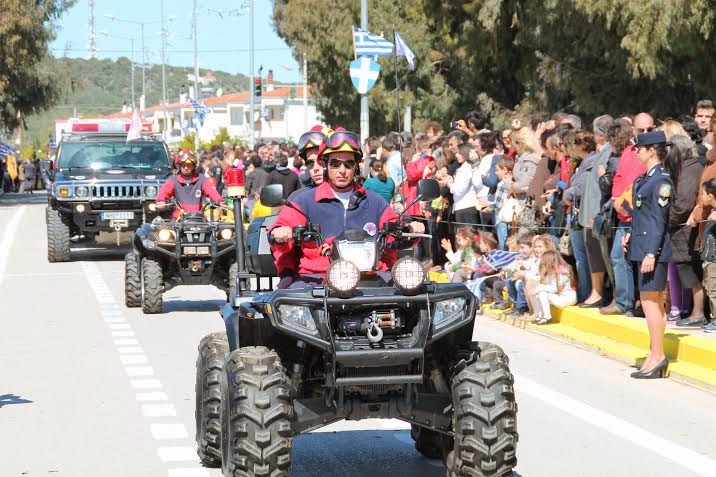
(199, 106)
(370, 44)
(6, 150)
(401, 49)
(498, 259)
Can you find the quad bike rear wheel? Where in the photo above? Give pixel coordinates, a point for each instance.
(132, 281)
(213, 350)
(152, 286)
(256, 419)
(485, 415)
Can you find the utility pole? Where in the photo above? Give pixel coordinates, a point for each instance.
(196, 75)
(144, 66)
(132, 43)
(305, 93)
(164, 76)
(251, 76)
(364, 120)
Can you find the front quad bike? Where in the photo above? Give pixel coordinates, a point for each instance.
(365, 345)
(195, 249)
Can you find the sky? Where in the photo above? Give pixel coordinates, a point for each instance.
(222, 25)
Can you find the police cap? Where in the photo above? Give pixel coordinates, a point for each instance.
(650, 139)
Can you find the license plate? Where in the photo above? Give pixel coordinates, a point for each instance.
(116, 215)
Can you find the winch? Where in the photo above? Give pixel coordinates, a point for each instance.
(372, 326)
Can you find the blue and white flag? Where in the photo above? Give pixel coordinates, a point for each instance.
(370, 44)
(498, 259)
(401, 49)
(199, 106)
(6, 150)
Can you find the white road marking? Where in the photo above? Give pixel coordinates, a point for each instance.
(138, 371)
(133, 359)
(159, 410)
(119, 326)
(169, 431)
(189, 472)
(178, 454)
(123, 333)
(679, 454)
(126, 341)
(151, 396)
(114, 319)
(130, 350)
(7, 237)
(145, 384)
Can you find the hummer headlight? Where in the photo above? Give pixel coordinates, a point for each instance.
(447, 311)
(408, 273)
(342, 276)
(81, 191)
(150, 191)
(297, 315)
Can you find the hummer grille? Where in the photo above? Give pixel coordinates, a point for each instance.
(117, 191)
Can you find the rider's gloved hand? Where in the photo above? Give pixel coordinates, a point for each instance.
(160, 205)
(282, 234)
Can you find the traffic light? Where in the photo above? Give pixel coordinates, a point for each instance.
(257, 86)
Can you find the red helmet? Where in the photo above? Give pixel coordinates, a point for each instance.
(340, 140)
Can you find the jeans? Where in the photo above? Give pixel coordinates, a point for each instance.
(623, 272)
(502, 230)
(516, 292)
(584, 279)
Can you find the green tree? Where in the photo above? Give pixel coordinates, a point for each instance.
(29, 81)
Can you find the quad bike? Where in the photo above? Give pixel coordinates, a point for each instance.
(195, 249)
(366, 344)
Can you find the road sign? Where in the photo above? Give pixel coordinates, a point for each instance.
(364, 74)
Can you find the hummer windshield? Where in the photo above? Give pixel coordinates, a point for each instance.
(113, 155)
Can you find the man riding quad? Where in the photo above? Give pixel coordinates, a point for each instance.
(336, 205)
(187, 187)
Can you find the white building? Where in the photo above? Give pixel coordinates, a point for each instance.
(280, 115)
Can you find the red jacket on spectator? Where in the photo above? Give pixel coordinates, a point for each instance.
(414, 171)
(629, 169)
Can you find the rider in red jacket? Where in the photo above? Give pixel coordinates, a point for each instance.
(336, 205)
(187, 187)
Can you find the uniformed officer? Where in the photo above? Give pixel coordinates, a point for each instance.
(649, 245)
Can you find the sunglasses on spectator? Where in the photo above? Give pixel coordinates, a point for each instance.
(310, 139)
(337, 139)
(336, 163)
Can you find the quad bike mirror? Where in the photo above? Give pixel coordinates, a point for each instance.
(428, 189)
(272, 195)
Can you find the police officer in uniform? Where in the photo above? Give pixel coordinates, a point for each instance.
(649, 245)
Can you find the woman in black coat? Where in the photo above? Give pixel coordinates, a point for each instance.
(684, 250)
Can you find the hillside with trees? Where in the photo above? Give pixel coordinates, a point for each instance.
(101, 86)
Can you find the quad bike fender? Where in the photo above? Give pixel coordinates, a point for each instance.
(240, 308)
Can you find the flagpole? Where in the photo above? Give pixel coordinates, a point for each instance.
(397, 85)
(364, 118)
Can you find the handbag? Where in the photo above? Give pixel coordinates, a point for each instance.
(510, 210)
(603, 225)
(565, 245)
(526, 217)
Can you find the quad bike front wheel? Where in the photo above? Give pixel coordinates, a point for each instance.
(132, 281)
(256, 418)
(485, 415)
(152, 286)
(213, 350)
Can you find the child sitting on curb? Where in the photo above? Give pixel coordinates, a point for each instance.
(556, 286)
(462, 257)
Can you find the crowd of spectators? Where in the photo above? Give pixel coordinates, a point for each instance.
(547, 186)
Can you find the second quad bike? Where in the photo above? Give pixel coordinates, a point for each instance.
(365, 344)
(194, 249)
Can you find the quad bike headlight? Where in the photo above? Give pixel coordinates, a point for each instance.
(342, 276)
(447, 311)
(298, 316)
(165, 235)
(226, 234)
(408, 273)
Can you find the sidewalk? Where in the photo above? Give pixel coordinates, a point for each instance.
(691, 352)
(9, 199)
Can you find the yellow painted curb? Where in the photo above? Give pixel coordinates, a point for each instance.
(692, 358)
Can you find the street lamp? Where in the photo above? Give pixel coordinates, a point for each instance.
(131, 39)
